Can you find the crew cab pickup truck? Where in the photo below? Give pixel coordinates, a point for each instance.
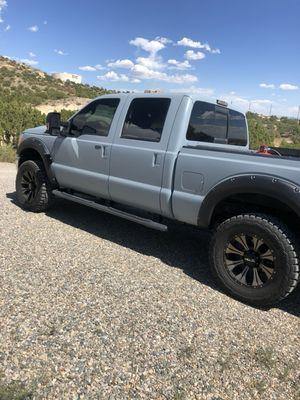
(154, 158)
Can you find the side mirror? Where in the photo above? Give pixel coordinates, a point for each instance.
(53, 123)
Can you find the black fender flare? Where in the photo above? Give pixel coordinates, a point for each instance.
(285, 191)
(33, 143)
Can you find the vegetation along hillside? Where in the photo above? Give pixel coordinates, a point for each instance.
(27, 94)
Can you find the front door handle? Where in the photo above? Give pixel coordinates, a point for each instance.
(103, 149)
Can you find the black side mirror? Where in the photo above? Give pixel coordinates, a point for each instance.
(53, 123)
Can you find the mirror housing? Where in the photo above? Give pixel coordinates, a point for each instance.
(53, 123)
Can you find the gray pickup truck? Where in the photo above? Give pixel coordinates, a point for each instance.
(153, 158)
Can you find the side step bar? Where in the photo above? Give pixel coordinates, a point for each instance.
(114, 211)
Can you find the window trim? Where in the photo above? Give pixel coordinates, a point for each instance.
(226, 138)
(140, 139)
(96, 102)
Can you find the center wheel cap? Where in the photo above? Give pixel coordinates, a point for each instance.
(249, 260)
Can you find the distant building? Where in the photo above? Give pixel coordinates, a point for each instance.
(152, 91)
(65, 76)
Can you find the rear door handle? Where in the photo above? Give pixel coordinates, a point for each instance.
(103, 151)
(156, 159)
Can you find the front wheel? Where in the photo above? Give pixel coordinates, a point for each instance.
(32, 186)
(254, 259)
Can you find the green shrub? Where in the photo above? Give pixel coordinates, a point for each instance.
(7, 154)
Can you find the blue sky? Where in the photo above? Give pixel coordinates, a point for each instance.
(239, 50)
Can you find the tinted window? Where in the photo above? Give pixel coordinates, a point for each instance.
(208, 123)
(145, 119)
(95, 118)
(237, 129)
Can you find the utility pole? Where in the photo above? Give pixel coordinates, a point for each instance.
(249, 106)
(298, 116)
(270, 109)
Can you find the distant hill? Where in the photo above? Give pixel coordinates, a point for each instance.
(27, 94)
(273, 131)
(32, 86)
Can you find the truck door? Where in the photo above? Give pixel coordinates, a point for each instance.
(81, 160)
(138, 152)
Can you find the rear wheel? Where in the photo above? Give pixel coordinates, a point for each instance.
(254, 259)
(32, 186)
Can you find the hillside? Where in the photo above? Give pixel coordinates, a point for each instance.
(273, 131)
(31, 86)
(27, 94)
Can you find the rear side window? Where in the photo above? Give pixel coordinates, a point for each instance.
(145, 119)
(237, 129)
(95, 118)
(215, 124)
(208, 123)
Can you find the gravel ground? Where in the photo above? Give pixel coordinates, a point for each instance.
(95, 307)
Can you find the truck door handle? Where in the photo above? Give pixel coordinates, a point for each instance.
(103, 149)
(156, 159)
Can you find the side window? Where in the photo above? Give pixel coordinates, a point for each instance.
(145, 119)
(237, 129)
(95, 118)
(208, 123)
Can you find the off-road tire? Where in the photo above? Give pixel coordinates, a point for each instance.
(283, 244)
(43, 198)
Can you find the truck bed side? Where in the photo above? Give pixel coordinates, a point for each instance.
(201, 170)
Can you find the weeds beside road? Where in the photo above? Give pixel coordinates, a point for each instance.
(94, 307)
(7, 154)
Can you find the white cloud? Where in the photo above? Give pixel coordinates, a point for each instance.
(7, 28)
(114, 77)
(99, 67)
(45, 22)
(261, 101)
(87, 68)
(207, 92)
(151, 62)
(180, 65)
(151, 46)
(142, 72)
(33, 28)
(288, 86)
(267, 85)
(3, 5)
(127, 64)
(186, 42)
(194, 55)
(60, 52)
(163, 40)
(31, 54)
(29, 62)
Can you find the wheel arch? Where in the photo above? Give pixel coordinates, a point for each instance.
(35, 149)
(258, 190)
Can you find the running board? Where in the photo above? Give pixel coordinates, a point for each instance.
(130, 217)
